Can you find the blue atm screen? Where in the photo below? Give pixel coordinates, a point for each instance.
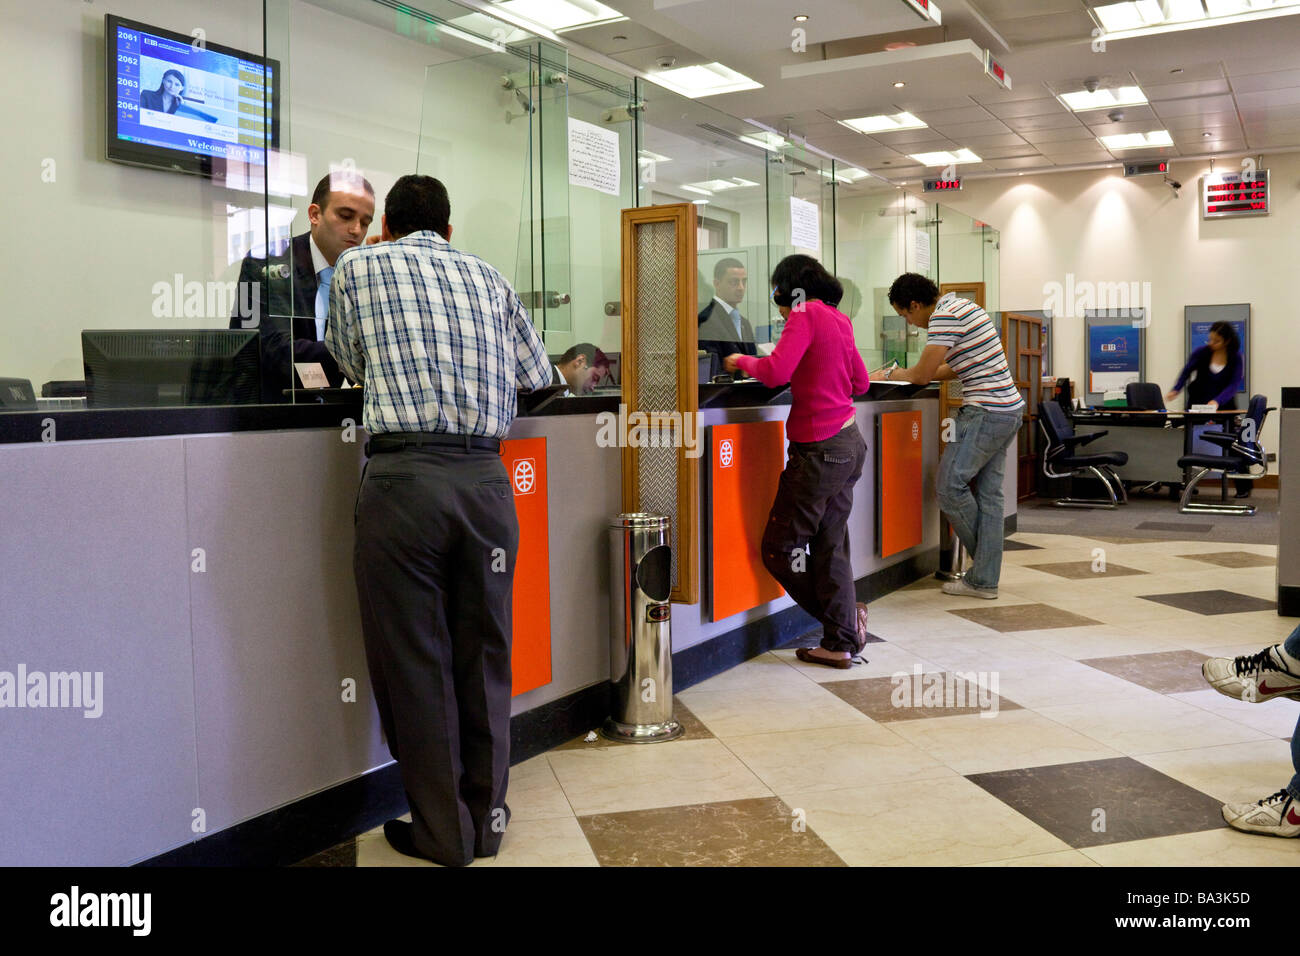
(180, 96)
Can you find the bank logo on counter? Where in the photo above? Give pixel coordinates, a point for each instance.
(916, 430)
(726, 454)
(525, 476)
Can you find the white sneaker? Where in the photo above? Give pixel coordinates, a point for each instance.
(1277, 815)
(1255, 678)
(962, 589)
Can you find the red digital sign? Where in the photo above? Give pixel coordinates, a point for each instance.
(940, 185)
(1235, 194)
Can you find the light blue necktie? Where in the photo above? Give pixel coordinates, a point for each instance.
(323, 300)
(735, 317)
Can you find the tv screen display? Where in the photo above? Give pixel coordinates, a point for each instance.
(177, 102)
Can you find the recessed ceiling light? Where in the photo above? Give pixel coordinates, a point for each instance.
(946, 158)
(1207, 135)
(1157, 137)
(899, 45)
(800, 17)
(884, 124)
(1102, 99)
(560, 15)
(619, 36)
(899, 85)
(706, 79)
(1177, 69)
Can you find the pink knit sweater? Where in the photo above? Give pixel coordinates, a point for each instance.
(817, 356)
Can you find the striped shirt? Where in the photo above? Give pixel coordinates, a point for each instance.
(974, 353)
(438, 336)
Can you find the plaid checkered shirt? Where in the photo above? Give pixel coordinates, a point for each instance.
(438, 337)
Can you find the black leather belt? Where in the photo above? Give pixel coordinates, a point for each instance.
(398, 441)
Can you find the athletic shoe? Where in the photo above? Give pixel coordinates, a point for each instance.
(962, 589)
(1256, 677)
(1277, 815)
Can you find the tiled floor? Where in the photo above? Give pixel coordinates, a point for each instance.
(1065, 724)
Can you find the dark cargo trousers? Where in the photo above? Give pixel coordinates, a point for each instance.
(436, 539)
(812, 506)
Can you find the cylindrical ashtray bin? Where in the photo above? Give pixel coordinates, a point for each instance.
(640, 646)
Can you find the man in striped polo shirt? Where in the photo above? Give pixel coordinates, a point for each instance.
(962, 342)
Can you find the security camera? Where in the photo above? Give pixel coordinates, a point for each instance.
(1175, 185)
(666, 62)
(1115, 115)
(1091, 85)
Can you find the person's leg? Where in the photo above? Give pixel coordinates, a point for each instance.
(1292, 648)
(996, 433)
(831, 564)
(792, 523)
(959, 465)
(480, 617)
(403, 544)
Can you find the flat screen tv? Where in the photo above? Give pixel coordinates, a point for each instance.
(180, 103)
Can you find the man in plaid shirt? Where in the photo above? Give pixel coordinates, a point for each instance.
(441, 342)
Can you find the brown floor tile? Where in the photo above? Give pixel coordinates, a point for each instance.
(1234, 559)
(1009, 545)
(1096, 802)
(1121, 539)
(1166, 672)
(885, 699)
(345, 854)
(1084, 569)
(1023, 617)
(1212, 602)
(693, 729)
(1190, 527)
(757, 832)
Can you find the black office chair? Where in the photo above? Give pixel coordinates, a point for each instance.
(1060, 461)
(1145, 397)
(1243, 457)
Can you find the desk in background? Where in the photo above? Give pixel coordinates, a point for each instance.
(1153, 452)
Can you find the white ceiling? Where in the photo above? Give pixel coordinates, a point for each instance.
(1239, 83)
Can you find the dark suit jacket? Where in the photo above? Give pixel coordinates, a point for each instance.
(287, 317)
(718, 333)
(153, 100)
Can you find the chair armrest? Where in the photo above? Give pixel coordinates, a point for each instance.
(1222, 439)
(1076, 440)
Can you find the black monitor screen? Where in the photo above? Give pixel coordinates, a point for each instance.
(149, 367)
(179, 102)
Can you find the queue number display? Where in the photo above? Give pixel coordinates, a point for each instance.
(1224, 195)
(940, 185)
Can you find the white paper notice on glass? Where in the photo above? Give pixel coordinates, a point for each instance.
(593, 157)
(805, 225)
(922, 250)
(311, 375)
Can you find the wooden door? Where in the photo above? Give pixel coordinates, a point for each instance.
(1022, 339)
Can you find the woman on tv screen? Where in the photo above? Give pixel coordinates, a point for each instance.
(167, 98)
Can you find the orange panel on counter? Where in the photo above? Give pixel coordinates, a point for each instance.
(530, 661)
(745, 467)
(898, 515)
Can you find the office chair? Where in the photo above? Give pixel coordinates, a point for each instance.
(1059, 454)
(1145, 397)
(1240, 459)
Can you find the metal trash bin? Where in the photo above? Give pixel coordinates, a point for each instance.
(952, 554)
(640, 646)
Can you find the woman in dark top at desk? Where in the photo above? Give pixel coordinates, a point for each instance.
(167, 98)
(1213, 376)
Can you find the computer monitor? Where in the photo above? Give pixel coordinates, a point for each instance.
(153, 367)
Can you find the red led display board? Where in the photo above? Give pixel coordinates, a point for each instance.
(940, 185)
(1234, 194)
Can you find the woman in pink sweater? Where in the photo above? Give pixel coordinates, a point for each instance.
(817, 356)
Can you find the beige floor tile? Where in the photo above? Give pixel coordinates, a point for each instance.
(1188, 631)
(1121, 609)
(373, 850)
(884, 659)
(1277, 718)
(1266, 626)
(1232, 773)
(834, 759)
(558, 842)
(770, 707)
(1060, 858)
(534, 792)
(1007, 740)
(1226, 847)
(1105, 640)
(766, 670)
(993, 652)
(1152, 723)
(612, 779)
(1067, 682)
(886, 824)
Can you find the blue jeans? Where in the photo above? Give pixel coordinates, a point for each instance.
(1292, 647)
(978, 456)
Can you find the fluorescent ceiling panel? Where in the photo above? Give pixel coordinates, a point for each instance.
(560, 15)
(945, 158)
(1158, 137)
(1103, 99)
(707, 79)
(884, 124)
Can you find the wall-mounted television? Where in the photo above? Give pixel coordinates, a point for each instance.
(178, 102)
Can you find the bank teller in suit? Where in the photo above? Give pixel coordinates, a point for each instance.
(293, 290)
(723, 330)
